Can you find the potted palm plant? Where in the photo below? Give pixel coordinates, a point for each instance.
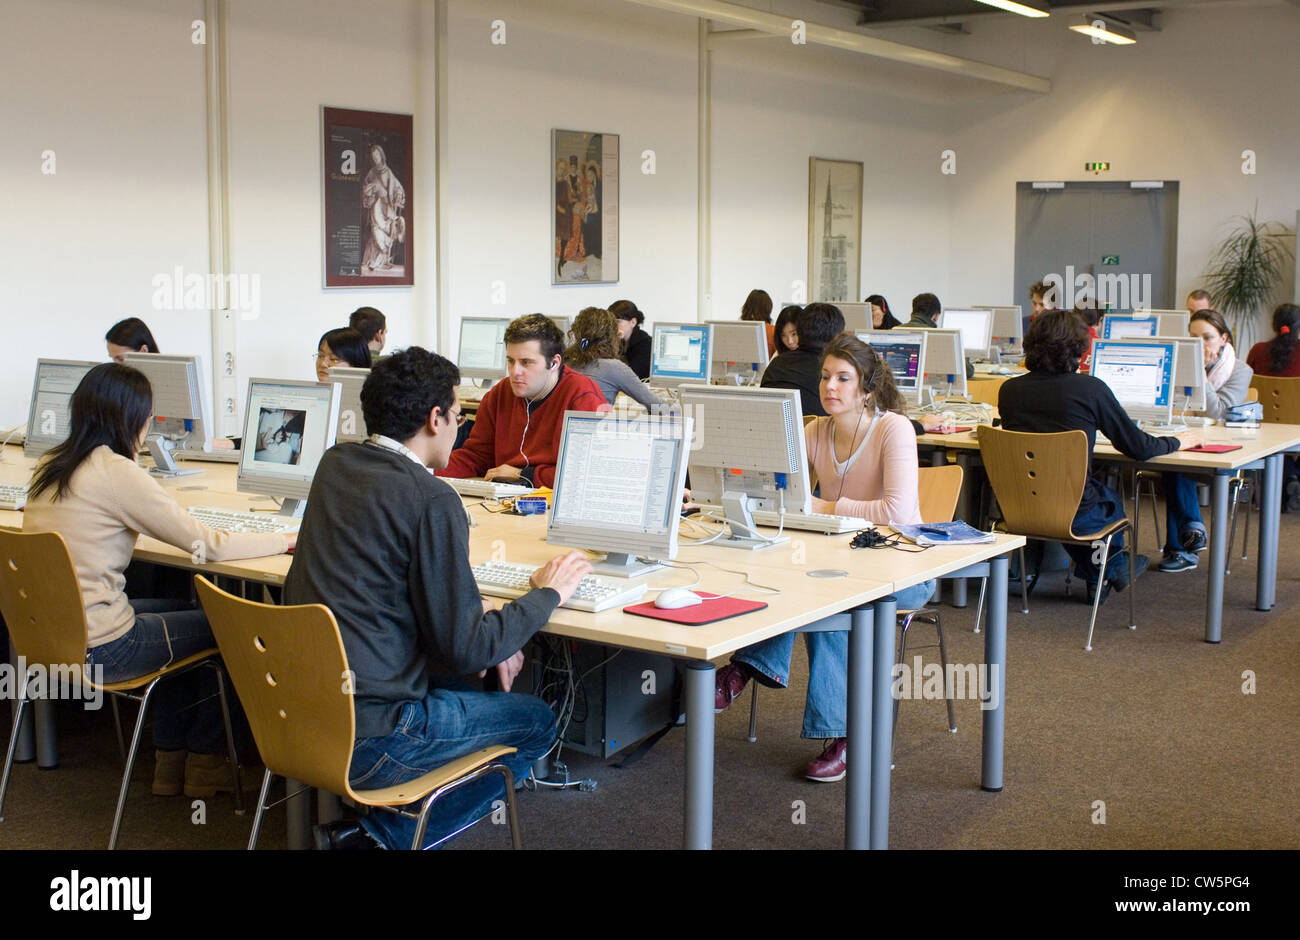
(1246, 269)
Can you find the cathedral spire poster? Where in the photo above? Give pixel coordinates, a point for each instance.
(834, 229)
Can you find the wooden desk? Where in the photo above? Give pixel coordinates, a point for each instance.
(1261, 448)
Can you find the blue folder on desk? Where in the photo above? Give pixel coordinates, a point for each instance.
(942, 533)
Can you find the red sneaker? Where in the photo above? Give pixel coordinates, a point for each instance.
(831, 765)
(728, 683)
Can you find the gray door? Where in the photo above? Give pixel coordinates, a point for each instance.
(1108, 242)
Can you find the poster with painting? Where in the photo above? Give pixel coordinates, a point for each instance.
(834, 229)
(369, 227)
(584, 237)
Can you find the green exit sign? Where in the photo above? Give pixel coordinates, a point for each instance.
(1096, 167)
(1110, 259)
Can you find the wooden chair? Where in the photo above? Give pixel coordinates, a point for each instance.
(938, 489)
(41, 603)
(1038, 480)
(1280, 397)
(291, 673)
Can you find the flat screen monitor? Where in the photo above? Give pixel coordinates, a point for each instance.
(749, 454)
(618, 489)
(48, 416)
(680, 352)
(1189, 370)
(975, 326)
(1140, 374)
(904, 353)
(482, 350)
(288, 426)
(352, 423)
(739, 350)
(857, 317)
(1117, 327)
(945, 361)
(180, 402)
(1172, 322)
(1008, 328)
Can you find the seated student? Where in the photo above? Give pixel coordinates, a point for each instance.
(863, 455)
(341, 347)
(129, 335)
(1054, 396)
(636, 341)
(784, 334)
(1199, 300)
(881, 316)
(516, 436)
(1042, 297)
(1227, 383)
(1280, 356)
(925, 316)
(816, 325)
(758, 309)
(408, 609)
(91, 491)
(373, 327)
(594, 353)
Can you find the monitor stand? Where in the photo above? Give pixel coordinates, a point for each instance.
(292, 507)
(164, 463)
(735, 507)
(624, 565)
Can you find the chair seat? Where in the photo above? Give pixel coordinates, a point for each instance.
(420, 787)
(127, 685)
(1102, 533)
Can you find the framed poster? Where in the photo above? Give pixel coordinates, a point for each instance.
(584, 235)
(369, 221)
(834, 229)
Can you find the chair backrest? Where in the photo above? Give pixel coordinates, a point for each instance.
(1252, 393)
(291, 674)
(808, 419)
(1037, 478)
(938, 489)
(1280, 397)
(41, 600)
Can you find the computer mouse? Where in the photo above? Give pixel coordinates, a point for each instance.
(677, 597)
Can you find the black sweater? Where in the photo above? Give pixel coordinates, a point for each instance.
(637, 353)
(385, 545)
(799, 369)
(1045, 403)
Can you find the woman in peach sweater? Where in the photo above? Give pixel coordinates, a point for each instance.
(863, 455)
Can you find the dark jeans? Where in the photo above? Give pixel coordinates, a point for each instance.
(1107, 507)
(1182, 511)
(187, 714)
(446, 724)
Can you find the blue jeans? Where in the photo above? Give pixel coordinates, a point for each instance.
(1182, 512)
(187, 714)
(446, 724)
(826, 706)
(1108, 508)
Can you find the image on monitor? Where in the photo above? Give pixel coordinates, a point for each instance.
(1141, 376)
(904, 353)
(1116, 327)
(680, 352)
(279, 435)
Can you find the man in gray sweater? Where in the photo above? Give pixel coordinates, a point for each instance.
(385, 545)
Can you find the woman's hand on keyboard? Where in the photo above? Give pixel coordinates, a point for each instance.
(562, 574)
(1190, 439)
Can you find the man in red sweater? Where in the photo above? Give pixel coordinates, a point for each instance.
(516, 436)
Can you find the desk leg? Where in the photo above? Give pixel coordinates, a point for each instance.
(995, 657)
(857, 793)
(47, 736)
(882, 716)
(298, 811)
(698, 833)
(1270, 508)
(1218, 556)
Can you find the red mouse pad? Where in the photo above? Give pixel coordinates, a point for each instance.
(1214, 448)
(714, 608)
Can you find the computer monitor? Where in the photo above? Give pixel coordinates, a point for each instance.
(482, 350)
(680, 352)
(1189, 370)
(1172, 322)
(749, 454)
(945, 361)
(48, 416)
(1140, 374)
(180, 406)
(904, 353)
(738, 352)
(288, 426)
(857, 317)
(563, 324)
(975, 326)
(352, 423)
(1119, 327)
(1008, 329)
(618, 489)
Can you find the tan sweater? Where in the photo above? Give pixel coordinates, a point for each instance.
(879, 481)
(109, 502)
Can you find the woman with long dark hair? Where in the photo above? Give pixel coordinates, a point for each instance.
(881, 316)
(91, 491)
(758, 309)
(129, 335)
(342, 347)
(1279, 356)
(636, 341)
(785, 336)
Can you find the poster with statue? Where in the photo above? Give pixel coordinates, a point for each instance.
(834, 229)
(369, 220)
(584, 235)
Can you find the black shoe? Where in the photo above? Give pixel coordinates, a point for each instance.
(1194, 540)
(1092, 590)
(1291, 503)
(344, 835)
(1120, 580)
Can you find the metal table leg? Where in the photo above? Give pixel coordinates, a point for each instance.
(882, 711)
(1218, 555)
(298, 812)
(857, 794)
(698, 832)
(1270, 508)
(995, 658)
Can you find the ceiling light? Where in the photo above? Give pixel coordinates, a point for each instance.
(1103, 31)
(1028, 8)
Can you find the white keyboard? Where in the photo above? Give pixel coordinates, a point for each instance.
(503, 579)
(13, 496)
(470, 393)
(812, 521)
(1162, 430)
(234, 521)
(208, 456)
(485, 490)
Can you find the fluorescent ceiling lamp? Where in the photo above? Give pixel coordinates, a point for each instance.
(1049, 186)
(1024, 9)
(1146, 184)
(1118, 35)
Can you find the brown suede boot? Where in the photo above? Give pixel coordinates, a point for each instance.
(168, 772)
(206, 775)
